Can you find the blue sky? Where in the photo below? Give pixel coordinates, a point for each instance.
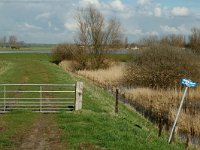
(52, 21)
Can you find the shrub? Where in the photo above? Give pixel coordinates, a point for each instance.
(162, 67)
(62, 52)
(194, 40)
(82, 59)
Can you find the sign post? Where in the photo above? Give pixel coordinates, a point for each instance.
(188, 84)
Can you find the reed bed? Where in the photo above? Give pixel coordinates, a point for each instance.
(161, 105)
(111, 76)
(67, 65)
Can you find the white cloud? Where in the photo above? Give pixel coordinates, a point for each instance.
(183, 29)
(43, 15)
(84, 3)
(158, 12)
(71, 26)
(152, 33)
(143, 2)
(27, 26)
(126, 15)
(138, 17)
(175, 30)
(134, 32)
(140, 32)
(49, 24)
(180, 11)
(197, 16)
(169, 29)
(144, 8)
(118, 5)
(56, 29)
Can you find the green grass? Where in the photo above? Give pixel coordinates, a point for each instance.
(25, 68)
(32, 47)
(4, 66)
(95, 126)
(13, 126)
(98, 126)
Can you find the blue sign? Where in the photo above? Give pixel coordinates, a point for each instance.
(188, 83)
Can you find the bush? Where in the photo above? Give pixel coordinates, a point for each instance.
(62, 52)
(194, 40)
(162, 67)
(82, 59)
(85, 61)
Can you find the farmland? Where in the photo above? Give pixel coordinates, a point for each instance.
(31, 47)
(94, 127)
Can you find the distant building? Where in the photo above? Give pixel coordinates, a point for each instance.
(135, 48)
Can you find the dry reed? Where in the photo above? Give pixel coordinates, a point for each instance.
(105, 77)
(160, 104)
(166, 102)
(66, 65)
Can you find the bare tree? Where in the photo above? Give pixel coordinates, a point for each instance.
(12, 40)
(173, 40)
(4, 41)
(194, 40)
(14, 44)
(1, 42)
(149, 40)
(95, 35)
(126, 42)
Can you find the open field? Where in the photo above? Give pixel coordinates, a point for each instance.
(32, 47)
(94, 127)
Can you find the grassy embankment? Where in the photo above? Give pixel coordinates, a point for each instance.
(94, 127)
(154, 104)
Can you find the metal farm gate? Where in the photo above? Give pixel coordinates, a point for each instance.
(41, 97)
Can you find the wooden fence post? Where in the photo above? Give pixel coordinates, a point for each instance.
(79, 96)
(4, 101)
(116, 100)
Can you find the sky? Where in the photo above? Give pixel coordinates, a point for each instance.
(52, 21)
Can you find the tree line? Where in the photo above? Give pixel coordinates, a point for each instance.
(11, 42)
(192, 41)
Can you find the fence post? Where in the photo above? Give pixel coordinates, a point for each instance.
(4, 95)
(40, 98)
(117, 99)
(79, 96)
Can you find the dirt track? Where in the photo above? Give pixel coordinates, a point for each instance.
(44, 135)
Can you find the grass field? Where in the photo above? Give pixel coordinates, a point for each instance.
(96, 126)
(32, 47)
